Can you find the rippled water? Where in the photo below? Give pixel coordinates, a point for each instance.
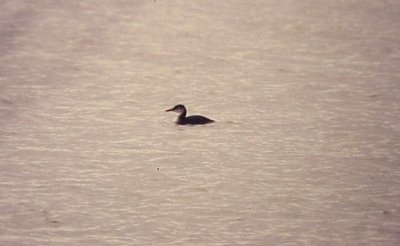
(305, 150)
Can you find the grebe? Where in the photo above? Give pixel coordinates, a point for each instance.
(190, 120)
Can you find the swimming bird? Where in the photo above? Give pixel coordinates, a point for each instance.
(190, 120)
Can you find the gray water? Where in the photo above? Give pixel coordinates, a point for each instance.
(305, 150)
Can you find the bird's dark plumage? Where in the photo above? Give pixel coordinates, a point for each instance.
(190, 120)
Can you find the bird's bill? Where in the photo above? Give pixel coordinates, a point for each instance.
(168, 110)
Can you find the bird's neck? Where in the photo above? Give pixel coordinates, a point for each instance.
(181, 117)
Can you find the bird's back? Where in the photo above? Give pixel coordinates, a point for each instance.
(197, 120)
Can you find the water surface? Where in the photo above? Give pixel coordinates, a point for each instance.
(305, 150)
